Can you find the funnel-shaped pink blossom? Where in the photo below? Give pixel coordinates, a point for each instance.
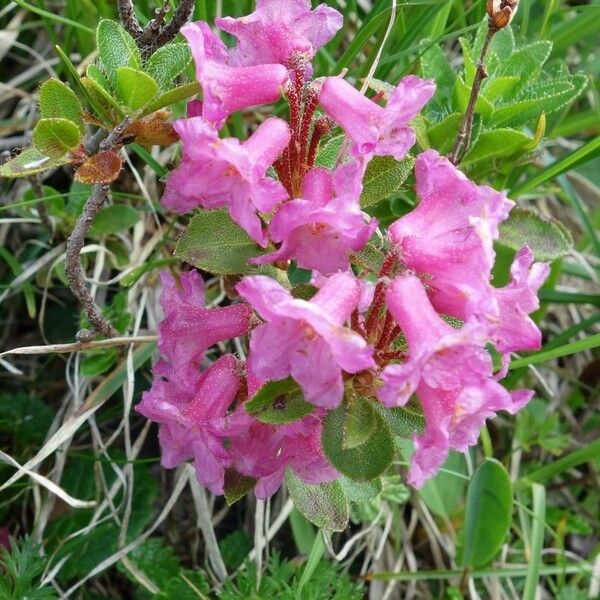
(216, 173)
(189, 328)
(372, 128)
(192, 409)
(278, 31)
(448, 238)
(515, 330)
(229, 87)
(307, 340)
(450, 372)
(321, 229)
(266, 451)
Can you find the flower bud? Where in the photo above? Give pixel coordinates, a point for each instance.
(501, 12)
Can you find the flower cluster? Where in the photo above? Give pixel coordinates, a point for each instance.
(418, 328)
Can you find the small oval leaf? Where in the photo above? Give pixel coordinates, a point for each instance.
(488, 513)
(548, 240)
(278, 402)
(384, 176)
(56, 137)
(30, 162)
(323, 504)
(135, 88)
(103, 167)
(113, 219)
(57, 99)
(116, 48)
(362, 462)
(214, 243)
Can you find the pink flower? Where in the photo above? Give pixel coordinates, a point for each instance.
(448, 238)
(277, 31)
(266, 451)
(307, 340)
(322, 228)
(372, 128)
(192, 410)
(218, 173)
(228, 87)
(189, 328)
(515, 330)
(450, 372)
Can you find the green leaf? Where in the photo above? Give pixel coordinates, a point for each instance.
(443, 492)
(135, 88)
(538, 98)
(498, 143)
(360, 424)
(183, 92)
(585, 153)
(527, 61)
(323, 504)
(435, 65)
(167, 63)
(214, 243)
(548, 240)
(56, 137)
(98, 362)
(113, 219)
(236, 486)
(234, 548)
(403, 421)
(499, 88)
(442, 135)
(384, 176)
(462, 92)
(156, 560)
(329, 151)
(362, 462)
(57, 99)
(278, 402)
(488, 513)
(103, 103)
(95, 72)
(30, 162)
(116, 48)
(25, 418)
(361, 491)
(468, 61)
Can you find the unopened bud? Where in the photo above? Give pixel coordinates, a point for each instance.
(501, 12)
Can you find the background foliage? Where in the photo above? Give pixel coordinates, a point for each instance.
(92, 515)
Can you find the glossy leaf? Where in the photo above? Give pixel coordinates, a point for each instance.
(30, 162)
(363, 462)
(497, 143)
(548, 240)
(488, 513)
(135, 88)
(56, 137)
(214, 243)
(278, 402)
(58, 100)
(323, 504)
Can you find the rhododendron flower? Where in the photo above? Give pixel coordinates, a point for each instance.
(228, 87)
(448, 238)
(265, 451)
(217, 173)
(277, 31)
(515, 330)
(322, 228)
(189, 328)
(451, 373)
(192, 410)
(307, 339)
(372, 128)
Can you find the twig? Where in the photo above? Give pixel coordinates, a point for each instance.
(128, 18)
(101, 325)
(463, 138)
(180, 18)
